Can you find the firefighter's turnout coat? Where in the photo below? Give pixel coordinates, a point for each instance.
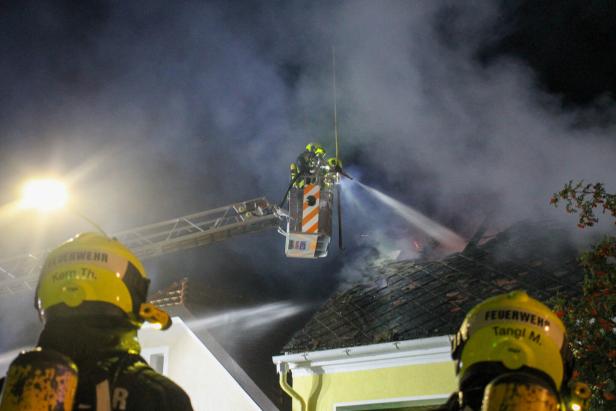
(111, 374)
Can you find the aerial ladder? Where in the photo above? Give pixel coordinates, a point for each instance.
(20, 273)
(306, 224)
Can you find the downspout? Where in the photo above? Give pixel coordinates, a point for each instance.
(283, 368)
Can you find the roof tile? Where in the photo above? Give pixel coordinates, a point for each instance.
(417, 299)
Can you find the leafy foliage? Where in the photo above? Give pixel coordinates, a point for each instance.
(591, 319)
(583, 198)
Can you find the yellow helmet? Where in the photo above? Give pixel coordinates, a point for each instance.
(316, 148)
(92, 274)
(334, 163)
(513, 331)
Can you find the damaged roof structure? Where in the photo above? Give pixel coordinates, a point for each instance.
(415, 299)
(385, 343)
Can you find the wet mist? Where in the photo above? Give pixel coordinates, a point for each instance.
(235, 328)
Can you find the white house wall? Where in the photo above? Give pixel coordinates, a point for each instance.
(192, 366)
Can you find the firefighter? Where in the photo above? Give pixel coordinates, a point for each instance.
(319, 151)
(294, 171)
(296, 181)
(91, 297)
(511, 353)
(335, 165)
(308, 162)
(331, 171)
(310, 158)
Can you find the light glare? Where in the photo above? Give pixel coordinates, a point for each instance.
(44, 195)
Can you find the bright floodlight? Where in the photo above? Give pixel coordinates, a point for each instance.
(44, 195)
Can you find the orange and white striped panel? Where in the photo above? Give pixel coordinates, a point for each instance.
(310, 214)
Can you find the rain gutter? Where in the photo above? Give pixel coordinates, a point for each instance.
(396, 353)
(283, 369)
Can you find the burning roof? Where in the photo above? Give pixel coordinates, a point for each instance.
(417, 299)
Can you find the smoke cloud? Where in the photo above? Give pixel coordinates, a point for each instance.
(154, 111)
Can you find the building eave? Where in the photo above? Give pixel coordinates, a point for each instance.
(367, 357)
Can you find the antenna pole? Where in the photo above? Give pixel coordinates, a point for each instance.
(335, 101)
(88, 220)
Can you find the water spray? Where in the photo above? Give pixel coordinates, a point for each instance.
(249, 318)
(442, 234)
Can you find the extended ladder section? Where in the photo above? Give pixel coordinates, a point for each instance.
(20, 274)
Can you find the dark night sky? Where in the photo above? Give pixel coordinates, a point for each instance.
(158, 109)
